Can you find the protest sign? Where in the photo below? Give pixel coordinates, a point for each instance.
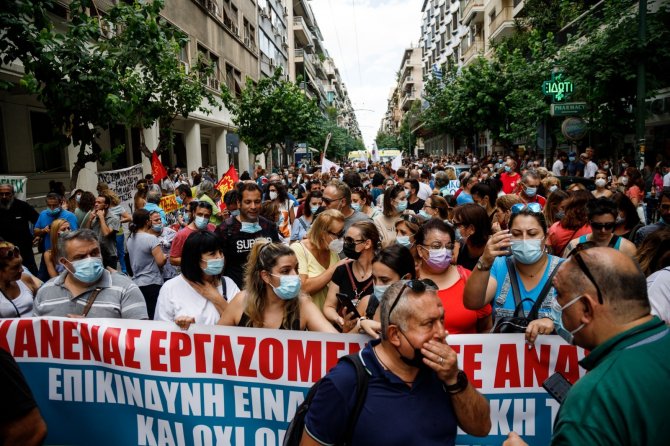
(20, 185)
(123, 182)
(148, 383)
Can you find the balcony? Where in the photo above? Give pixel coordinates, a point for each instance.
(503, 24)
(474, 50)
(473, 10)
(305, 62)
(518, 8)
(408, 83)
(408, 100)
(302, 34)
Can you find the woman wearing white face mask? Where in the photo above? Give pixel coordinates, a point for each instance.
(601, 190)
(435, 242)
(273, 296)
(200, 294)
(318, 254)
(529, 266)
(395, 204)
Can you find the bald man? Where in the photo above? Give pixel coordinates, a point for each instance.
(623, 399)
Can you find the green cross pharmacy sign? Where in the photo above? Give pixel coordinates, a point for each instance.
(557, 88)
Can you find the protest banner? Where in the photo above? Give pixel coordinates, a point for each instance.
(20, 185)
(123, 182)
(148, 383)
(169, 203)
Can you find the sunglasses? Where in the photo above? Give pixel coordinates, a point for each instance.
(9, 252)
(532, 207)
(582, 265)
(330, 200)
(600, 226)
(416, 285)
(350, 240)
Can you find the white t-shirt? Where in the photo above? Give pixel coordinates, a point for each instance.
(178, 298)
(424, 191)
(590, 169)
(666, 180)
(557, 167)
(658, 288)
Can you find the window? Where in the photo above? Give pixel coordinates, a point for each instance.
(49, 156)
(212, 60)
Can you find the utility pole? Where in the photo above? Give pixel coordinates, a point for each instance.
(641, 84)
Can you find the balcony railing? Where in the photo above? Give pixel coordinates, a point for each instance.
(472, 6)
(302, 32)
(476, 48)
(305, 59)
(505, 15)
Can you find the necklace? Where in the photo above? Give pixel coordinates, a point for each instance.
(363, 271)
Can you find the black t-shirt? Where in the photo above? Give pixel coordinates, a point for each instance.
(416, 207)
(17, 399)
(15, 225)
(238, 244)
(342, 279)
(465, 259)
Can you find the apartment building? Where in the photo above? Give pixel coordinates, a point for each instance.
(274, 29)
(487, 22)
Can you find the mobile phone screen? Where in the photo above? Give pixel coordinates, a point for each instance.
(557, 386)
(348, 304)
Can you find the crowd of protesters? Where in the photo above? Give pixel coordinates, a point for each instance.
(298, 248)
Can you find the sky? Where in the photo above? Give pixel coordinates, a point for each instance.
(367, 38)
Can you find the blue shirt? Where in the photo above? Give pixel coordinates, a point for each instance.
(393, 412)
(153, 207)
(464, 198)
(504, 305)
(45, 219)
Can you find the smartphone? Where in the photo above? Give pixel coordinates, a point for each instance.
(557, 386)
(348, 304)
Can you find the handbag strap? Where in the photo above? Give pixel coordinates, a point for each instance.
(543, 293)
(514, 282)
(349, 269)
(90, 301)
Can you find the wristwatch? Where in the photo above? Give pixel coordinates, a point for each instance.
(461, 384)
(481, 267)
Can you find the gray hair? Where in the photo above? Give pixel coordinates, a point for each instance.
(205, 187)
(343, 189)
(86, 235)
(401, 312)
(154, 196)
(441, 179)
(530, 174)
(10, 185)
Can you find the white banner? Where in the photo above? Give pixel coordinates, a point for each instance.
(123, 182)
(20, 185)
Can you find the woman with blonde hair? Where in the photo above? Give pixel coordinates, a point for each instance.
(51, 256)
(272, 296)
(504, 205)
(140, 198)
(318, 254)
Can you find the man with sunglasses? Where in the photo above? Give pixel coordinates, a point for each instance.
(602, 219)
(416, 393)
(16, 216)
(602, 306)
(663, 222)
(337, 196)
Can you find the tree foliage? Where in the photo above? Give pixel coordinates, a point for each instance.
(88, 79)
(384, 140)
(273, 112)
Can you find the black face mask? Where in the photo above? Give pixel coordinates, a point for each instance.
(349, 250)
(417, 360)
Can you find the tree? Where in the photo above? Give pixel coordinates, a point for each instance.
(272, 112)
(89, 80)
(384, 140)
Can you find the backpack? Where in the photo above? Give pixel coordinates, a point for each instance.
(297, 426)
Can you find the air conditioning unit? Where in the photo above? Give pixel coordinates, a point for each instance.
(285, 11)
(272, 63)
(265, 13)
(185, 66)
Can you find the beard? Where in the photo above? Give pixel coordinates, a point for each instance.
(5, 205)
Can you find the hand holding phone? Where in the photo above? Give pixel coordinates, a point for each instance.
(348, 304)
(557, 386)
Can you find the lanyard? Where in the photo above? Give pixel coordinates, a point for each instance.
(353, 282)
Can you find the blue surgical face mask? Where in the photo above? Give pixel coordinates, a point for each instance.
(527, 251)
(214, 267)
(87, 270)
(250, 228)
(404, 241)
(54, 212)
(531, 191)
(355, 206)
(77, 197)
(201, 222)
(313, 209)
(401, 206)
(379, 291)
(289, 287)
(557, 316)
(572, 158)
(157, 228)
(186, 219)
(553, 188)
(424, 214)
(179, 200)
(560, 215)
(508, 169)
(235, 213)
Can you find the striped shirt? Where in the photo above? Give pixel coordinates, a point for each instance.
(119, 298)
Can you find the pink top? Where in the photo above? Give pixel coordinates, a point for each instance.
(558, 237)
(634, 193)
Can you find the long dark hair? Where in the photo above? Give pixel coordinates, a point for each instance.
(197, 244)
(140, 219)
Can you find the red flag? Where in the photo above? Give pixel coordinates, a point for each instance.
(227, 183)
(157, 169)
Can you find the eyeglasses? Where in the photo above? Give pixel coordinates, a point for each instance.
(330, 200)
(350, 240)
(582, 265)
(438, 245)
(416, 285)
(410, 218)
(600, 226)
(337, 234)
(9, 252)
(532, 207)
